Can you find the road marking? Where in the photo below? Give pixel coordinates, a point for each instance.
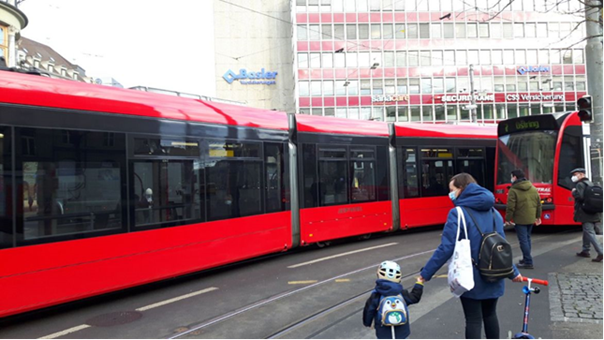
(301, 282)
(178, 298)
(65, 332)
(343, 254)
(142, 309)
(343, 280)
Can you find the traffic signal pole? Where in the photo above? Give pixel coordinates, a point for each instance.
(593, 60)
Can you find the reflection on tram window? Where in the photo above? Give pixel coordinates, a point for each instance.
(6, 223)
(166, 191)
(72, 182)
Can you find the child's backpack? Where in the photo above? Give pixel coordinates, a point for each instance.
(592, 199)
(392, 311)
(495, 261)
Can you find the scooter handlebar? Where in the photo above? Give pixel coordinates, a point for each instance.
(536, 281)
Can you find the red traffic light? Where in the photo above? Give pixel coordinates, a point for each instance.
(585, 108)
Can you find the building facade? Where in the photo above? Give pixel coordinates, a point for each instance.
(254, 53)
(12, 21)
(411, 60)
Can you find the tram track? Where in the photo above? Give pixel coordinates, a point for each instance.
(309, 319)
(323, 312)
(261, 303)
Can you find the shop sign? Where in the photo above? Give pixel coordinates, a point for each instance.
(455, 98)
(533, 97)
(532, 69)
(390, 98)
(250, 78)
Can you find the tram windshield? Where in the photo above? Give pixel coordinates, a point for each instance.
(532, 151)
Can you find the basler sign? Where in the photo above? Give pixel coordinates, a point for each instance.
(250, 78)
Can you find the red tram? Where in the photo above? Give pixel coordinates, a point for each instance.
(546, 147)
(103, 189)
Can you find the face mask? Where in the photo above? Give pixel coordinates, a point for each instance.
(452, 195)
(575, 179)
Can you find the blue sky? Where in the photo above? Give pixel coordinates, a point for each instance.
(165, 44)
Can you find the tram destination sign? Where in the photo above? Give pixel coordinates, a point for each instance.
(524, 124)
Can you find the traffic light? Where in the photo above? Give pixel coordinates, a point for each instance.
(585, 108)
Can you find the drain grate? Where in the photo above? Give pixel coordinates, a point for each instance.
(114, 319)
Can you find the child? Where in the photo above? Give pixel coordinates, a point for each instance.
(388, 285)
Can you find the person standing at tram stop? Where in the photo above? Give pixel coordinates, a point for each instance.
(480, 303)
(590, 221)
(524, 209)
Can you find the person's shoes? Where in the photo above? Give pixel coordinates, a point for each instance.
(584, 254)
(521, 261)
(597, 259)
(525, 266)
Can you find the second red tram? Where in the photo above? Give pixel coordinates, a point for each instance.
(103, 189)
(546, 147)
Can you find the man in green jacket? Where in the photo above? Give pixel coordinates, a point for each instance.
(524, 209)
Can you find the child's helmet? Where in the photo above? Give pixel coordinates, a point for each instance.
(389, 270)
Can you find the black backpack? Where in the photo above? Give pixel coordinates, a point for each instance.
(592, 199)
(495, 260)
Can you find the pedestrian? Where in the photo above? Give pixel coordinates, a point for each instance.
(590, 222)
(389, 292)
(524, 209)
(480, 303)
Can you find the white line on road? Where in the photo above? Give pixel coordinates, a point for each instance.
(343, 254)
(142, 309)
(65, 332)
(178, 298)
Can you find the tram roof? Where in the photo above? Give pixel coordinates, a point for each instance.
(333, 125)
(32, 90)
(446, 130)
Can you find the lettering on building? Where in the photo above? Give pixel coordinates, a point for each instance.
(532, 69)
(454, 98)
(250, 78)
(390, 98)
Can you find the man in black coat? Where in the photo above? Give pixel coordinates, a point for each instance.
(590, 221)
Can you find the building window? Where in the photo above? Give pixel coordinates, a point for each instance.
(376, 31)
(302, 60)
(351, 32)
(436, 31)
(3, 42)
(315, 60)
(424, 31)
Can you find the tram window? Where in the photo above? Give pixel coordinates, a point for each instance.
(409, 180)
(234, 188)
(226, 149)
(436, 175)
(382, 174)
(309, 173)
(165, 147)
(474, 167)
(362, 170)
(6, 220)
(72, 183)
(437, 153)
(470, 152)
(333, 182)
(277, 179)
(571, 155)
(166, 192)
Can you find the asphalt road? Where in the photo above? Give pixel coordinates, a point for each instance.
(312, 293)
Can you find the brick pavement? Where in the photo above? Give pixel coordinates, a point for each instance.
(576, 297)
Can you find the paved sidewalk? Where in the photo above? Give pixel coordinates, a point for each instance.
(575, 297)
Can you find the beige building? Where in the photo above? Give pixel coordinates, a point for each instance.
(254, 58)
(12, 21)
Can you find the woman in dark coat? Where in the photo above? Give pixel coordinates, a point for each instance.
(480, 303)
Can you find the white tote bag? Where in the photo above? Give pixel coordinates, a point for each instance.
(461, 274)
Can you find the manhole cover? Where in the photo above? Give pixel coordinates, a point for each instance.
(114, 319)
